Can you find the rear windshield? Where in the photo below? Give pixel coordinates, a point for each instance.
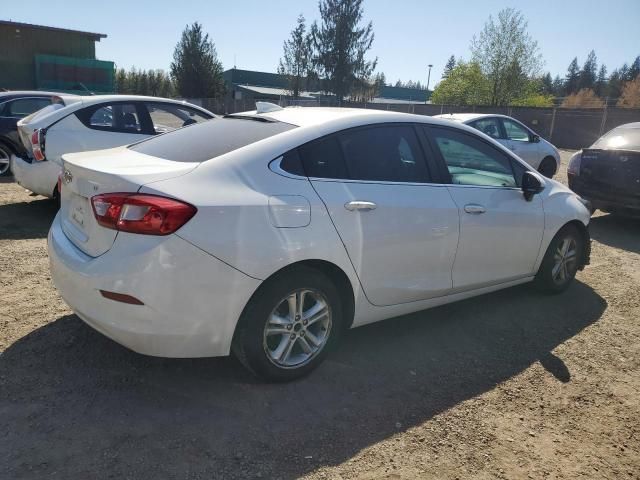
(210, 139)
(625, 138)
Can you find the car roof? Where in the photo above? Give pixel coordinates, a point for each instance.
(33, 93)
(315, 116)
(468, 117)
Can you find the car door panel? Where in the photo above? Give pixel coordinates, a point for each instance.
(518, 140)
(400, 231)
(403, 248)
(500, 232)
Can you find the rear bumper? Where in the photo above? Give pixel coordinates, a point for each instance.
(606, 199)
(39, 177)
(192, 301)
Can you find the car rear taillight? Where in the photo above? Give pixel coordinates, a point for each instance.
(574, 164)
(37, 144)
(140, 213)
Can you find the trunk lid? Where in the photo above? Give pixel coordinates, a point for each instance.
(612, 169)
(105, 171)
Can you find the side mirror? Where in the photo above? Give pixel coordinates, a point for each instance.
(535, 138)
(531, 185)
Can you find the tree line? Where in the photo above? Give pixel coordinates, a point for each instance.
(330, 55)
(504, 69)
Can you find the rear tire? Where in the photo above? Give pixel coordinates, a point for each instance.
(561, 261)
(5, 160)
(548, 167)
(289, 325)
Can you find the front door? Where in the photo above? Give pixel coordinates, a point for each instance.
(400, 231)
(520, 141)
(500, 232)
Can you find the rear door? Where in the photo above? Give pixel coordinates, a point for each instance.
(400, 230)
(500, 232)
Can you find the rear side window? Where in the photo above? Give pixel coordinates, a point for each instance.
(25, 106)
(115, 117)
(323, 159)
(389, 153)
(488, 126)
(208, 140)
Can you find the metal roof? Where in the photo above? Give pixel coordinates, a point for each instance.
(95, 36)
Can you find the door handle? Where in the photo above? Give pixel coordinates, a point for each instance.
(360, 205)
(474, 209)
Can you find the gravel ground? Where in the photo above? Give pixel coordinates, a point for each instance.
(508, 385)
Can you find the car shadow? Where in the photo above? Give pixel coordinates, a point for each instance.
(74, 402)
(616, 231)
(24, 220)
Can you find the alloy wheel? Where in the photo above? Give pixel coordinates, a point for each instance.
(565, 261)
(4, 160)
(297, 329)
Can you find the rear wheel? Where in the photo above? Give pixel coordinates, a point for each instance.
(548, 167)
(561, 261)
(289, 325)
(5, 158)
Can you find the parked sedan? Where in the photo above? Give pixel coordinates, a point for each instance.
(15, 105)
(271, 232)
(93, 123)
(517, 137)
(608, 172)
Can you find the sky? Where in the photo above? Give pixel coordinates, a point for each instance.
(409, 34)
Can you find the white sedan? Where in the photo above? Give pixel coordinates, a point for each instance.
(517, 137)
(269, 233)
(92, 123)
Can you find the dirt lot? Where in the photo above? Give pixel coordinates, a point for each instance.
(508, 385)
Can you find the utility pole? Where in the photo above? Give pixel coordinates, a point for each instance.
(428, 81)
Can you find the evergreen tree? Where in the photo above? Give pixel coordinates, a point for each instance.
(341, 44)
(614, 86)
(451, 63)
(196, 69)
(558, 86)
(589, 72)
(601, 82)
(296, 61)
(572, 79)
(634, 70)
(546, 84)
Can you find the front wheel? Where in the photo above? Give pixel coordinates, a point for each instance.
(561, 261)
(289, 325)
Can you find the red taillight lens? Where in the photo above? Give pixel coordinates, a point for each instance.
(140, 213)
(37, 144)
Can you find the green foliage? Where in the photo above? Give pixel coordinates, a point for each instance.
(572, 78)
(588, 74)
(140, 82)
(297, 58)
(451, 63)
(465, 85)
(195, 69)
(341, 45)
(507, 55)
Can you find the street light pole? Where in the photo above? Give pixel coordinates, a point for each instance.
(428, 81)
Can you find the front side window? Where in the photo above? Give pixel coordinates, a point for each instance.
(488, 126)
(389, 153)
(471, 161)
(25, 106)
(167, 116)
(515, 131)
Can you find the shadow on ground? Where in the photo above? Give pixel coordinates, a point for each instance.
(24, 220)
(616, 231)
(76, 403)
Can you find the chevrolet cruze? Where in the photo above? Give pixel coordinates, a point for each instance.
(269, 233)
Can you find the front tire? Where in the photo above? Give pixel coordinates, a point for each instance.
(548, 167)
(561, 261)
(289, 326)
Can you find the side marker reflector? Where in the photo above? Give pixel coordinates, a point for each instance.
(121, 297)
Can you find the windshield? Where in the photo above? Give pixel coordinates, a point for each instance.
(623, 138)
(210, 139)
